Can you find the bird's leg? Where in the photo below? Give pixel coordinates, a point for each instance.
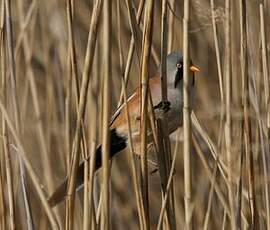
(164, 105)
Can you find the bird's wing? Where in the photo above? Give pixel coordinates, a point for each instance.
(134, 101)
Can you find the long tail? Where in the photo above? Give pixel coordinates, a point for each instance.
(118, 143)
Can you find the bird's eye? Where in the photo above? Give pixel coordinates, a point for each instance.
(178, 65)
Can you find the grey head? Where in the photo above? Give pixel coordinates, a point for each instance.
(175, 70)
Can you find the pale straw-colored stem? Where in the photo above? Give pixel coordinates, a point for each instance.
(105, 217)
(186, 119)
(228, 122)
(246, 114)
(147, 42)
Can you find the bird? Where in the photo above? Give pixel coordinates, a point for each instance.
(118, 127)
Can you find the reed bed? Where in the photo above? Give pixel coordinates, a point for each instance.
(67, 65)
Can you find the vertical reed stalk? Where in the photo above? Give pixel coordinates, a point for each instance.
(147, 41)
(220, 78)
(131, 49)
(168, 186)
(105, 221)
(228, 125)
(186, 119)
(167, 152)
(265, 64)
(12, 64)
(2, 204)
(6, 157)
(164, 48)
(266, 92)
(136, 33)
(246, 112)
(171, 26)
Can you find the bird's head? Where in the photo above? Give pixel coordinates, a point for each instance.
(175, 69)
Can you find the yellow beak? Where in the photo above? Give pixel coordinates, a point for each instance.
(194, 69)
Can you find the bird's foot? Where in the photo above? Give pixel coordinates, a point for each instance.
(164, 105)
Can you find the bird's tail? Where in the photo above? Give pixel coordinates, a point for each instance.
(117, 143)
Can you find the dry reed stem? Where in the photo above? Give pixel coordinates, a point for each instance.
(186, 120)
(164, 171)
(135, 29)
(264, 154)
(147, 41)
(105, 217)
(29, 168)
(266, 90)
(171, 26)
(228, 123)
(25, 24)
(6, 158)
(29, 219)
(12, 64)
(167, 152)
(168, 186)
(81, 112)
(69, 80)
(164, 48)
(91, 211)
(131, 50)
(261, 142)
(264, 59)
(246, 114)
(210, 198)
(86, 196)
(220, 78)
(2, 204)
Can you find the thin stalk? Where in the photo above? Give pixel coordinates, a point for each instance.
(167, 152)
(6, 157)
(131, 50)
(265, 65)
(168, 186)
(147, 42)
(266, 86)
(246, 112)
(228, 123)
(136, 33)
(105, 217)
(2, 204)
(220, 78)
(164, 48)
(186, 120)
(12, 64)
(171, 26)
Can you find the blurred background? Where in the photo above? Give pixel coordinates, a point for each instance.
(46, 96)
